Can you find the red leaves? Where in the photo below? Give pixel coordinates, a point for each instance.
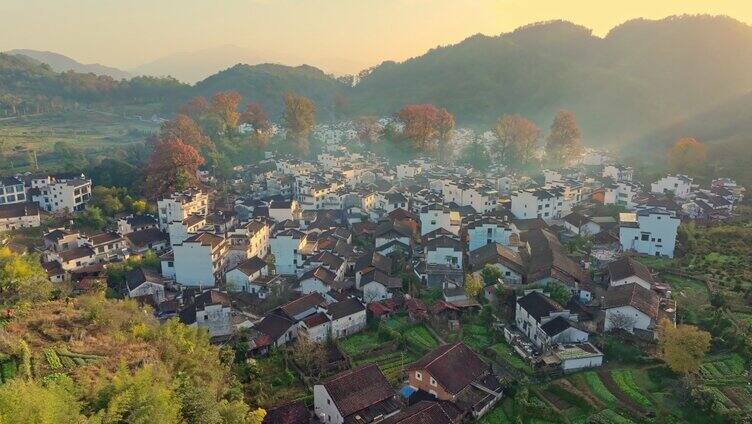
(172, 166)
(425, 122)
(255, 116)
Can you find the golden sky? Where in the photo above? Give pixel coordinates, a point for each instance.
(336, 35)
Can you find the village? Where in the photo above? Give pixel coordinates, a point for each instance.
(419, 293)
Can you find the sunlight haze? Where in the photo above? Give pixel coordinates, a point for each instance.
(339, 36)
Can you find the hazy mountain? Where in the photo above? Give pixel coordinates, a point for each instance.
(194, 66)
(62, 63)
(642, 75)
(267, 83)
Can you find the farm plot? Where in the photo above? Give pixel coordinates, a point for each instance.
(361, 343)
(478, 337)
(624, 379)
(392, 364)
(724, 380)
(420, 339)
(278, 381)
(506, 355)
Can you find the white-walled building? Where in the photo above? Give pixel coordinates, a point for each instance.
(179, 206)
(12, 190)
(545, 322)
(199, 260)
(621, 193)
(618, 173)
(61, 193)
(649, 231)
(285, 246)
(678, 185)
(547, 204)
(19, 215)
(435, 216)
(629, 307)
(486, 230)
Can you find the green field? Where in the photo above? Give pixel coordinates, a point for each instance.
(89, 132)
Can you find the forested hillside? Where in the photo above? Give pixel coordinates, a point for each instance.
(643, 76)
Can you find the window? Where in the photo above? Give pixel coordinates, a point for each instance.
(433, 382)
(418, 376)
(645, 237)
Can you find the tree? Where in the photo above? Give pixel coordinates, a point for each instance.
(23, 281)
(686, 154)
(621, 321)
(195, 108)
(72, 158)
(476, 155)
(299, 119)
(564, 142)
(172, 166)
(424, 123)
(186, 129)
(91, 218)
(559, 292)
(107, 199)
(139, 207)
(683, 347)
(256, 117)
(225, 105)
(142, 397)
(490, 274)
(516, 138)
(310, 356)
(473, 286)
(368, 129)
(28, 401)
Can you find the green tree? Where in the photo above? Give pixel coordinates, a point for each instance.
(28, 401)
(473, 286)
(90, 218)
(683, 347)
(559, 292)
(23, 281)
(143, 397)
(299, 120)
(490, 274)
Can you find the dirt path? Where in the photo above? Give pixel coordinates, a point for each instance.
(624, 401)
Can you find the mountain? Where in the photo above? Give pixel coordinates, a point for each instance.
(62, 63)
(267, 83)
(725, 129)
(643, 75)
(192, 67)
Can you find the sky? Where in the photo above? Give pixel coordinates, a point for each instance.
(339, 36)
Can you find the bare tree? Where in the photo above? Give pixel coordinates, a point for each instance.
(309, 356)
(621, 321)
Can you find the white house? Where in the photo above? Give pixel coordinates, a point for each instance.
(180, 205)
(241, 277)
(621, 193)
(629, 307)
(354, 396)
(199, 259)
(486, 230)
(547, 204)
(281, 210)
(211, 310)
(649, 231)
(618, 173)
(285, 247)
(143, 282)
(628, 271)
(61, 193)
(19, 215)
(581, 224)
(443, 251)
(347, 317)
(545, 322)
(435, 216)
(678, 185)
(12, 190)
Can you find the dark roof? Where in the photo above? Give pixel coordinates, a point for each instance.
(547, 258)
(454, 366)
(345, 308)
(357, 389)
(493, 253)
(426, 412)
(205, 239)
(640, 298)
(292, 413)
(302, 304)
(375, 260)
(138, 276)
(626, 267)
(577, 219)
(444, 241)
(76, 253)
(538, 305)
(143, 238)
(58, 234)
(316, 320)
(18, 209)
(530, 224)
(555, 326)
(274, 325)
(251, 266)
(211, 297)
(103, 238)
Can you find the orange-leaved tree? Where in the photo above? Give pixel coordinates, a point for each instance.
(516, 137)
(686, 155)
(173, 166)
(683, 347)
(299, 119)
(424, 123)
(225, 105)
(186, 129)
(565, 140)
